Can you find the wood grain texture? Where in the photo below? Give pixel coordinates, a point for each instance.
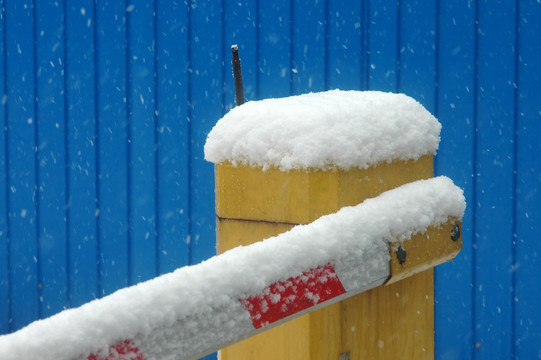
(300, 197)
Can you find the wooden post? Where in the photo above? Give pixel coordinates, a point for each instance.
(389, 322)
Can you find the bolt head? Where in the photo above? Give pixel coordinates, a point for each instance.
(401, 255)
(455, 233)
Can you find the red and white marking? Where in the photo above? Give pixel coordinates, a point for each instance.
(125, 350)
(289, 297)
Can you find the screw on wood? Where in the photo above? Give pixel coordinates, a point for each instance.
(401, 255)
(343, 356)
(455, 233)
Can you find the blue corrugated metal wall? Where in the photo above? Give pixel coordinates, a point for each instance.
(106, 106)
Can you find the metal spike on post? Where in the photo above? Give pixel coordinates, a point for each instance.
(237, 76)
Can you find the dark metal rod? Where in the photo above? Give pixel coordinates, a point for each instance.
(237, 76)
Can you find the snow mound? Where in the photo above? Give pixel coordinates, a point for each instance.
(330, 129)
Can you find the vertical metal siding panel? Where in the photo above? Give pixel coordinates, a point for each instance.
(21, 122)
(142, 141)
(240, 28)
(81, 158)
(206, 85)
(173, 134)
(111, 112)
(308, 55)
(527, 323)
(494, 180)
(274, 49)
(345, 58)
(417, 58)
(4, 246)
(383, 45)
(456, 82)
(51, 157)
(417, 65)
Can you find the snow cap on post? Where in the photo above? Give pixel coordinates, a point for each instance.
(332, 129)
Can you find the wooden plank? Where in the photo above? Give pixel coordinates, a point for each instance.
(259, 347)
(301, 197)
(367, 336)
(231, 233)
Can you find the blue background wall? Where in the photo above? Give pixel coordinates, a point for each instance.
(105, 107)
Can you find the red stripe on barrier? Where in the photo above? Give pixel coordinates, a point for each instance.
(125, 350)
(293, 295)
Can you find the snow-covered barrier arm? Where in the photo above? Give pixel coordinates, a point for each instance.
(198, 309)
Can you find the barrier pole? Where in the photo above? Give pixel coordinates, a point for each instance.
(389, 322)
